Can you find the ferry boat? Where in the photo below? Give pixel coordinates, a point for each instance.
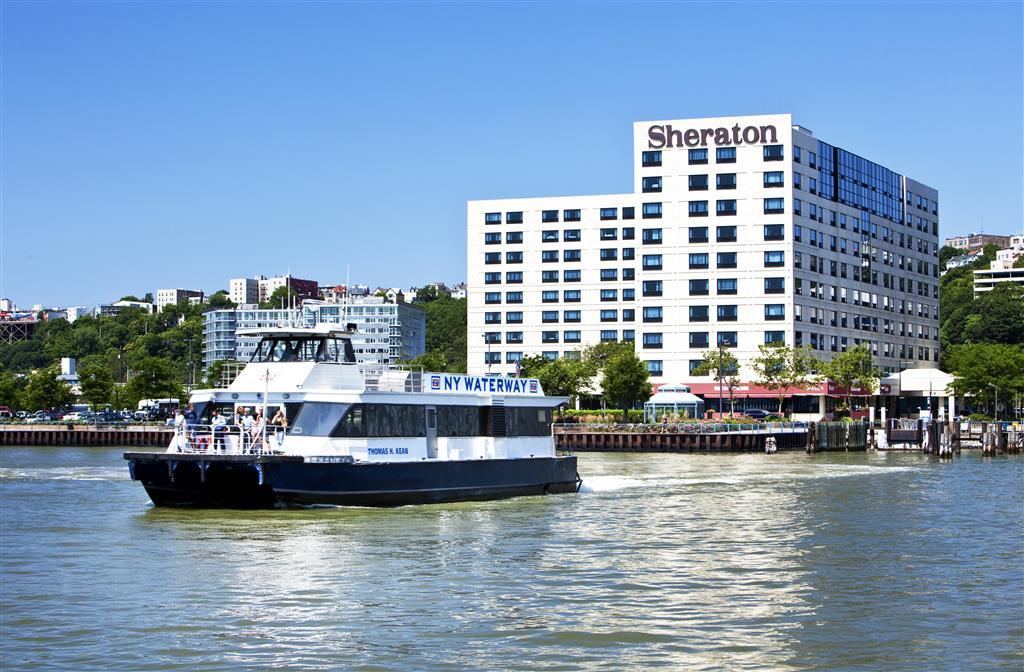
(316, 427)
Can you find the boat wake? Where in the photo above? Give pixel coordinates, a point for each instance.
(64, 474)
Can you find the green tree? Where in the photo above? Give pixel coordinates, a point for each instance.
(428, 294)
(781, 368)
(997, 316)
(852, 369)
(975, 365)
(430, 361)
(97, 383)
(559, 377)
(625, 380)
(724, 368)
(10, 389)
(446, 331)
(219, 301)
(45, 391)
(1020, 262)
(282, 297)
(152, 378)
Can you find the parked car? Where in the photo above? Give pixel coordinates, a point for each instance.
(41, 417)
(22, 415)
(140, 416)
(73, 416)
(756, 413)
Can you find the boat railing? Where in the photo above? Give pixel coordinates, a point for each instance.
(228, 439)
(391, 377)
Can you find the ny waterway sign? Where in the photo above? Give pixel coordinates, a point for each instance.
(441, 382)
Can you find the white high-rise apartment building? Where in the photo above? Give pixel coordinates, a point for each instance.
(172, 297)
(244, 291)
(739, 231)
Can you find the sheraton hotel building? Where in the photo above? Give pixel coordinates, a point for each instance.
(739, 231)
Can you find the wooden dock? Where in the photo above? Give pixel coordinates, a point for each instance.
(675, 442)
(85, 435)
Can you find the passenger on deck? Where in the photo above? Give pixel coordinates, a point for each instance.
(256, 433)
(219, 425)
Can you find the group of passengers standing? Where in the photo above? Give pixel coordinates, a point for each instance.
(250, 428)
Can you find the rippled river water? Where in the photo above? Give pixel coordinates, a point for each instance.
(835, 561)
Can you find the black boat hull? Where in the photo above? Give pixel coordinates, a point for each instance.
(248, 481)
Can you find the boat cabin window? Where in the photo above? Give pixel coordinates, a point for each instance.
(304, 349)
(360, 420)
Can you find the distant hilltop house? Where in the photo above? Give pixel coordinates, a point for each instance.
(976, 242)
(456, 292)
(962, 260)
(173, 297)
(117, 306)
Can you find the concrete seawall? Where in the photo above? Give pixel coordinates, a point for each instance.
(664, 442)
(83, 435)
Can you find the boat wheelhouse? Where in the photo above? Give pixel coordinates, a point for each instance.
(305, 423)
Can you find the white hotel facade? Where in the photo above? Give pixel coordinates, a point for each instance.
(739, 231)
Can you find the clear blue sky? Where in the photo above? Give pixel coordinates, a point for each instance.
(152, 145)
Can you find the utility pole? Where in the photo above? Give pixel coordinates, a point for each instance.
(720, 380)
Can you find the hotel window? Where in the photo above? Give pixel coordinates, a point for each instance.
(628, 335)
(775, 311)
(725, 155)
(798, 260)
(698, 209)
(698, 182)
(628, 233)
(571, 336)
(609, 295)
(796, 181)
(609, 213)
(652, 314)
(652, 262)
(774, 206)
(513, 357)
(628, 294)
(549, 256)
(513, 218)
(549, 316)
(571, 215)
(492, 278)
(609, 274)
(492, 297)
(492, 358)
(609, 254)
(514, 277)
(571, 255)
(513, 257)
(609, 316)
(698, 157)
(698, 287)
(571, 296)
(773, 153)
(774, 285)
(774, 337)
(651, 184)
(572, 316)
(726, 260)
(698, 234)
(571, 276)
(698, 339)
(725, 208)
(492, 238)
(571, 235)
(609, 335)
(699, 260)
(650, 159)
(549, 216)
(774, 259)
(654, 368)
(628, 253)
(514, 318)
(549, 296)
(654, 341)
(492, 257)
(652, 236)
(629, 213)
(698, 313)
(550, 355)
(514, 237)
(492, 318)
(492, 218)
(652, 288)
(725, 180)
(774, 179)
(628, 274)
(796, 153)
(549, 276)
(492, 337)
(812, 159)
(549, 236)
(609, 234)
(725, 234)
(797, 206)
(798, 233)
(652, 211)
(628, 314)
(727, 339)
(726, 286)
(727, 313)
(549, 337)
(774, 231)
